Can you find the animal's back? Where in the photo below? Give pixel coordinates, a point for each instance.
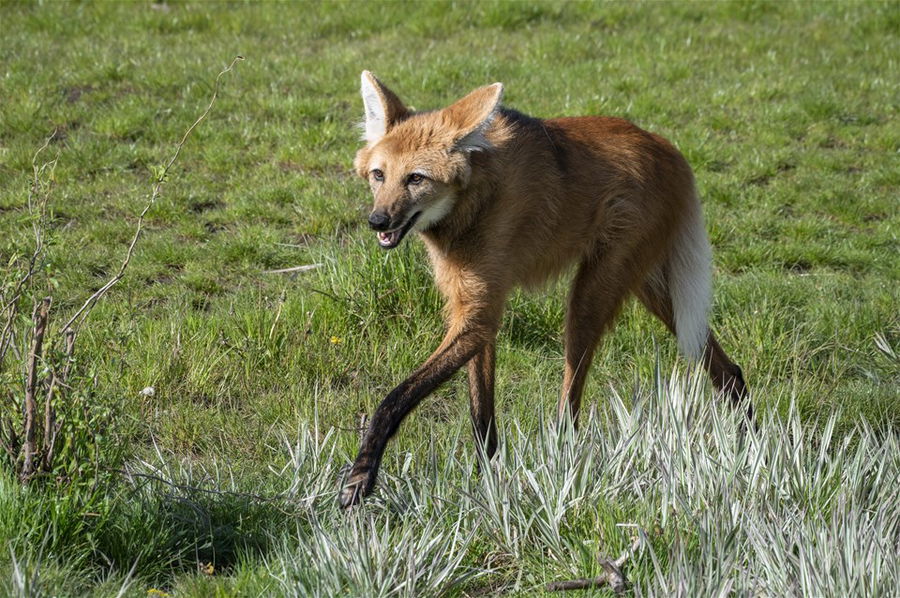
(566, 187)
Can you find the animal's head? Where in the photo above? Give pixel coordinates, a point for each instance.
(416, 163)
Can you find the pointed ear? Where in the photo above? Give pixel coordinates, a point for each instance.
(472, 115)
(383, 108)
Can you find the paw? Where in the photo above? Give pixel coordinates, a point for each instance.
(357, 485)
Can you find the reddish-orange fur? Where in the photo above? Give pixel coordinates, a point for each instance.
(520, 200)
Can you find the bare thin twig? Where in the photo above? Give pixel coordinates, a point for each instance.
(9, 440)
(612, 574)
(37, 200)
(83, 312)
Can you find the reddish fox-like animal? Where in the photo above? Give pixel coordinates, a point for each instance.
(502, 200)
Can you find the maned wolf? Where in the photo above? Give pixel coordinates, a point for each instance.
(502, 199)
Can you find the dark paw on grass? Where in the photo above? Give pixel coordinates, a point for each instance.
(356, 486)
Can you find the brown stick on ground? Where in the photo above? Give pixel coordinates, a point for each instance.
(612, 574)
(41, 311)
(51, 428)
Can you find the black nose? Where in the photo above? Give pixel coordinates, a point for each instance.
(379, 220)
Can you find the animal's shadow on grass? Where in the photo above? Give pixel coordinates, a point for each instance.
(162, 529)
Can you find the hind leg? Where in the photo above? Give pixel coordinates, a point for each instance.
(599, 288)
(726, 376)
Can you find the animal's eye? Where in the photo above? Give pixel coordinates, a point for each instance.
(415, 178)
(377, 175)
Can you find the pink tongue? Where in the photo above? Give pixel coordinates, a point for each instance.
(387, 238)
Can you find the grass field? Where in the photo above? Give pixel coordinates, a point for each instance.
(223, 480)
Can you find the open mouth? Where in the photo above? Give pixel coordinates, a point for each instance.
(392, 238)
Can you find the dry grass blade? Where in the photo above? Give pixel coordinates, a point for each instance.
(293, 270)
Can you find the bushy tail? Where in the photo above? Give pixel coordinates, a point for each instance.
(690, 284)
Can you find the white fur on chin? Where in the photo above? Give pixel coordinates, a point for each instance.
(435, 212)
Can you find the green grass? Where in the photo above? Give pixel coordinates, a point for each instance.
(788, 113)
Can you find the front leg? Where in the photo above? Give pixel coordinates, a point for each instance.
(459, 346)
(481, 399)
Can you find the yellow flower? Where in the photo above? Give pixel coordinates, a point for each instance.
(336, 341)
(207, 568)
(158, 593)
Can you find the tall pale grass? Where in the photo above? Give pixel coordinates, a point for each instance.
(781, 508)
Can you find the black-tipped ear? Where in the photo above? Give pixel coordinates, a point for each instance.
(383, 108)
(472, 115)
